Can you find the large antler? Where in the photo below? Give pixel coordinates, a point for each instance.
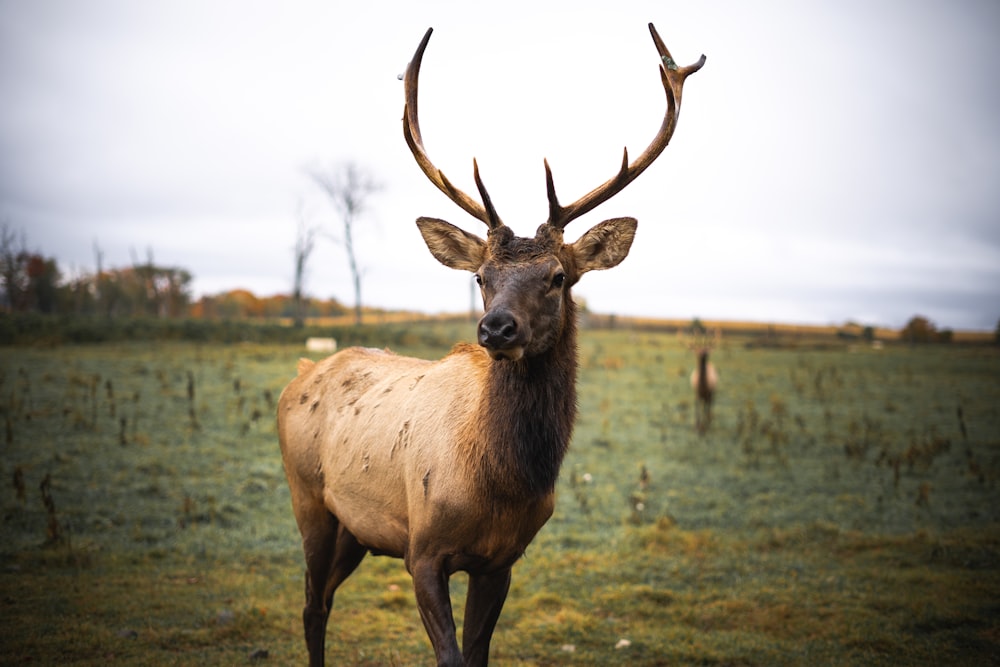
(700, 339)
(411, 130)
(673, 83)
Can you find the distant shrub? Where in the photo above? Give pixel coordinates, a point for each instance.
(38, 329)
(921, 330)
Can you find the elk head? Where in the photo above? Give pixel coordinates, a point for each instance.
(525, 282)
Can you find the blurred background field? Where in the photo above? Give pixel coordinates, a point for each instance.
(843, 508)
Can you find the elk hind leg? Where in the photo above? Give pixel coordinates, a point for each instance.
(332, 554)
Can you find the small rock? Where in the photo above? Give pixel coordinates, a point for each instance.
(259, 654)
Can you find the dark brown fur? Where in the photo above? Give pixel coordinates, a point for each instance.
(528, 421)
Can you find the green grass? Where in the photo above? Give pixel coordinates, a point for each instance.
(839, 511)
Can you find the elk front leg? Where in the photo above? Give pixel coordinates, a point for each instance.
(430, 583)
(487, 593)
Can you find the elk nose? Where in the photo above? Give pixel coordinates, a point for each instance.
(498, 330)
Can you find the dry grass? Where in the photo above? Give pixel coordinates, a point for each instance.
(822, 520)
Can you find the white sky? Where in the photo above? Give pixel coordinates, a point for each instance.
(833, 161)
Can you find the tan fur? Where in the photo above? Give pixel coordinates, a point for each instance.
(711, 378)
(362, 425)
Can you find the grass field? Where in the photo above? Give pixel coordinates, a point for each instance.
(843, 509)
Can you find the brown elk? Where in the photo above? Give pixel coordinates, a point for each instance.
(704, 380)
(451, 464)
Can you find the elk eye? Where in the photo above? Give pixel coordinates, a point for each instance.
(558, 280)
(479, 280)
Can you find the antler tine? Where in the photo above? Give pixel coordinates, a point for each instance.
(492, 219)
(411, 131)
(672, 78)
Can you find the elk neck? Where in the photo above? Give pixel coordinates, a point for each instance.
(529, 407)
(703, 385)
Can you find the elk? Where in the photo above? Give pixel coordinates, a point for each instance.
(451, 464)
(704, 380)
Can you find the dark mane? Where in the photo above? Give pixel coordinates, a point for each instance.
(530, 408)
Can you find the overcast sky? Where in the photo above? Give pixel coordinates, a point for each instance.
(833, 161)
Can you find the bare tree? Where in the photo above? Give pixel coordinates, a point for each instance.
(305, 241)
(348, 187)
(13, 260)
(99, 279)
(156, 290)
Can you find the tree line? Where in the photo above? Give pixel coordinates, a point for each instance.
(30, 282)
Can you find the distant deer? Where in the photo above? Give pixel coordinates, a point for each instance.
(451, 464)
(704, 380)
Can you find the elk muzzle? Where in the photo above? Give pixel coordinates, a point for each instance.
(503, 336)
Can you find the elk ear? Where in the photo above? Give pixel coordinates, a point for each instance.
(453, 247)
(605, 245)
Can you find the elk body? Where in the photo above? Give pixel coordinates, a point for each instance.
(451, 464)
(703, 380)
